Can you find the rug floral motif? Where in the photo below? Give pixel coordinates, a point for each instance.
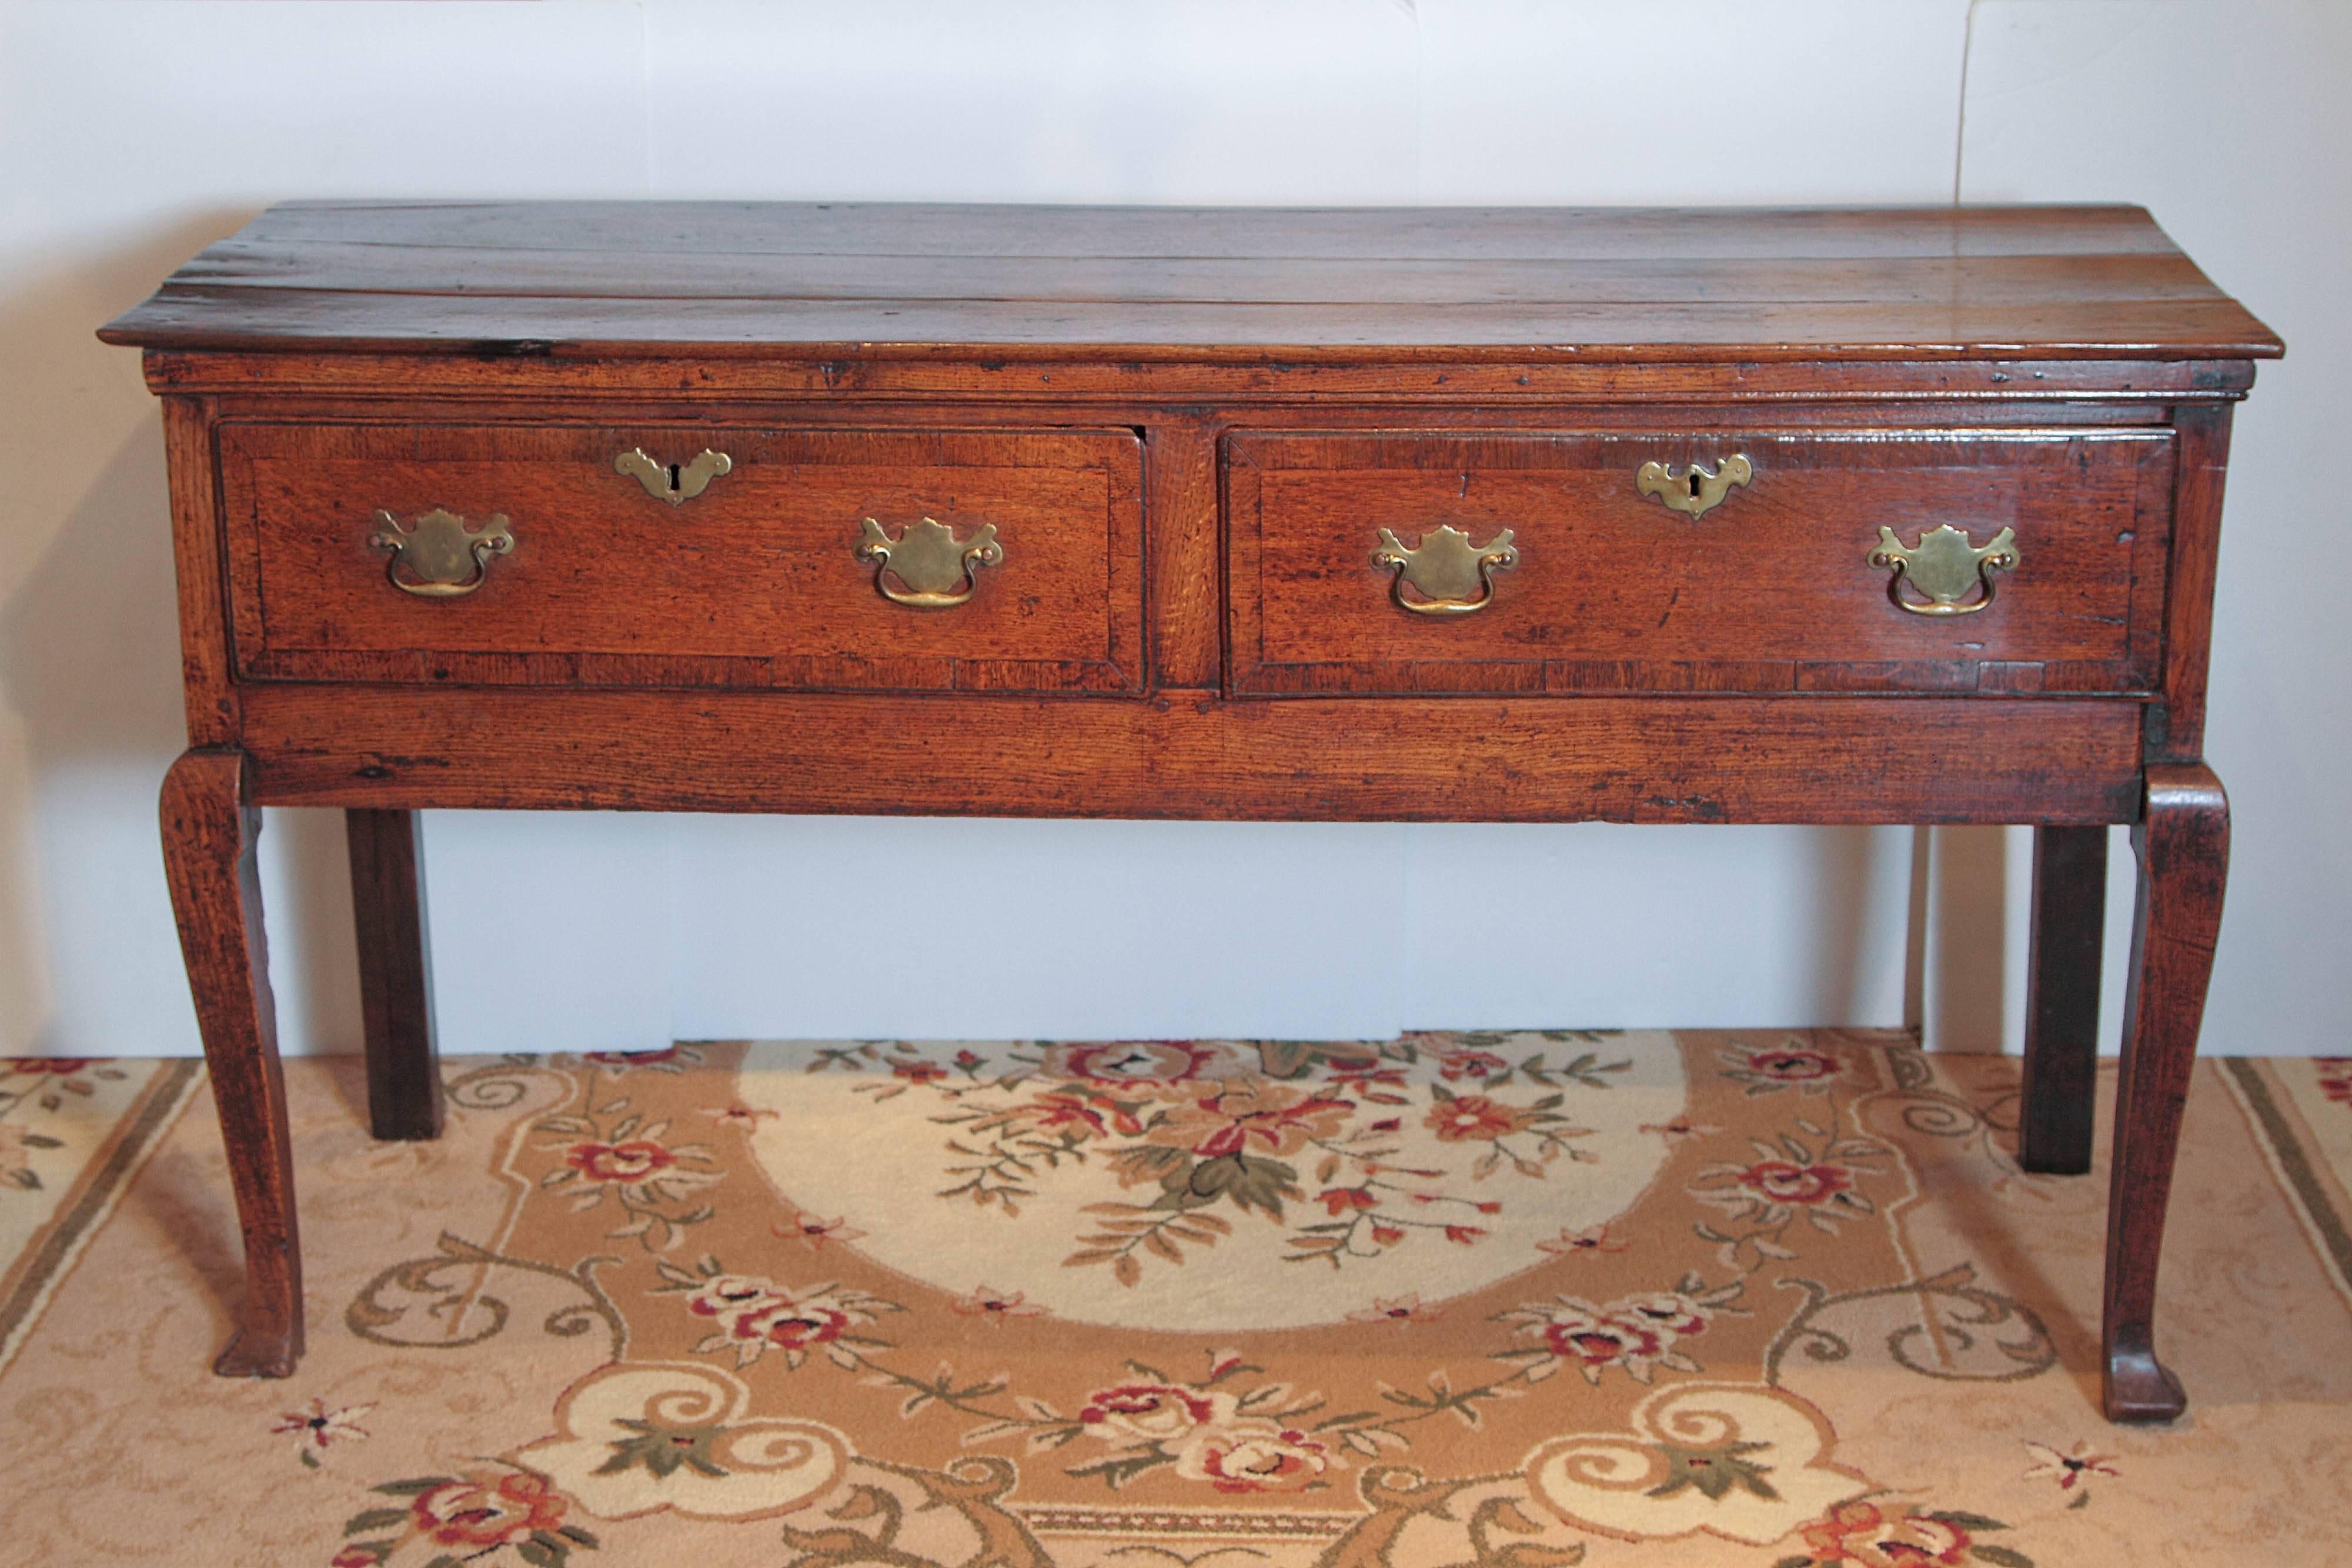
(1485, 1299)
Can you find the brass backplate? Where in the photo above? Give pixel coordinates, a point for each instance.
(935, 567)
(1447, 573)
(441, 557)
(1944, 566)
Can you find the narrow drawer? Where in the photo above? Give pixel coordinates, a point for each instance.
(859, 560)
(1766, 585)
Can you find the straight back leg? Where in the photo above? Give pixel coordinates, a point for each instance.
(209, 830)
(404, 1062)
(2183, 842)
(2062, 998)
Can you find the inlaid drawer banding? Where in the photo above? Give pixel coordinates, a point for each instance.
(757, 570)
(1786, 589)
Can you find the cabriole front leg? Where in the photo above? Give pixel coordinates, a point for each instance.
(209, 830)
(2183, 843)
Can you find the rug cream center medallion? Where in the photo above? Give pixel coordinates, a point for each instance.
(1177, 1185)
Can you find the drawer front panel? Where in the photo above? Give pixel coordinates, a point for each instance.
(1770, 588)
(757, 580)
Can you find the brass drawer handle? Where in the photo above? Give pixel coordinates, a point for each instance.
(445, 558)
(1445, 570)
(938, 568)
(675, 482)
(1698, 489)
(1943, 565)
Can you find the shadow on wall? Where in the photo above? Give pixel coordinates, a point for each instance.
(90, 709)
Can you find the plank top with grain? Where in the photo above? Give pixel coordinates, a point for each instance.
(1292, 284)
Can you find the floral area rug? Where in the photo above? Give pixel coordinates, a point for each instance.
(1452, 1300)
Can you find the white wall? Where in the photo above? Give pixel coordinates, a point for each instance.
(130, 134)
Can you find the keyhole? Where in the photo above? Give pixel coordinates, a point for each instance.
(672, 478)
(1693, 482)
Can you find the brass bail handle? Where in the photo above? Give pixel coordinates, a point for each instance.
(443, 558)
(1447, 573)
(935, 569)
(1944, 566)
(677, 483)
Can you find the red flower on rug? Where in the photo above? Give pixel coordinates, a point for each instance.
(1252, 1114)
(2070, 1470)
(1154, 1412)
(1083, 1116)
(629, 1162)
(475, 1516)
(754, 1315)
(1470, 1116)
(1136, 1061)
(1253, 1456)
(1782, 1182)
(1639, 1333)
(55, 1077)
(318, 1429)
(1792, 1065)
(1868, 1536)
(1478, 1065)
(469, 1513)
(995, 1305)
(2335, 1077)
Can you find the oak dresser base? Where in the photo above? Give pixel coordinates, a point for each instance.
(1906, 516)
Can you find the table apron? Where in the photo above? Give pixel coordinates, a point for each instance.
(1811, 758)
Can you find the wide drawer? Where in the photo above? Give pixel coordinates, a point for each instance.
(1770, 588)
(545, 556)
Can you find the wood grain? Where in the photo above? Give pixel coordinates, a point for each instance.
(1189, 754)
(2064, 942)
(754, 583)
(210, 825)
(621, 279)
(1188, 630)
(2177, 723)
(207, 671)
(1773, 582)
(404, 1059)
(2183, 843)
(489, 373)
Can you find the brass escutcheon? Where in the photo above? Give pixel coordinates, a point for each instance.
(676, 482)
(1943, 565)
(443, 557)
(1445, 570)
(936, 567)
(1698, 489)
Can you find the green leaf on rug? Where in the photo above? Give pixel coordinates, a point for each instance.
(2000, 1556)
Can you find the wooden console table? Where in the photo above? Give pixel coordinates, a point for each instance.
(1893, 517)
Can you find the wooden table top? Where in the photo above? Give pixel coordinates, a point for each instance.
(1320, 285)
